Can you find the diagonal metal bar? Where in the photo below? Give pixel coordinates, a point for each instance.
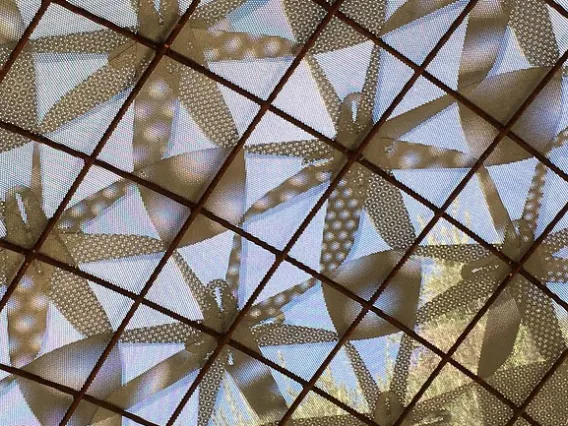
(502, 133)
(72, 392)
(23, 40)
(284, 115)
(89, 162)
(199, 205)
(190, 204)
(501, 287)
(333, 143)
(250, 237)
(139, 38)
(159, 308)
(237, 345)
(541, 383)
(334, 183)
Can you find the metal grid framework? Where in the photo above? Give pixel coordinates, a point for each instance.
(198, 208)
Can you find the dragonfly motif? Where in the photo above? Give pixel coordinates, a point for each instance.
(75, 299)
(520, 305)
(219, 305)
(44, 285)
(390, 152)
(25, 219)
(170, 87)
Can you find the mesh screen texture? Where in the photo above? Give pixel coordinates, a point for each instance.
(283, 212)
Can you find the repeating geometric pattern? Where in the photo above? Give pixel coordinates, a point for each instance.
(283, 212)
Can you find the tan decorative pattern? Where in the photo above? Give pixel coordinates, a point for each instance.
(271, 212)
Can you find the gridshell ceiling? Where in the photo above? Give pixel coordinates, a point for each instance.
(283, 212)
